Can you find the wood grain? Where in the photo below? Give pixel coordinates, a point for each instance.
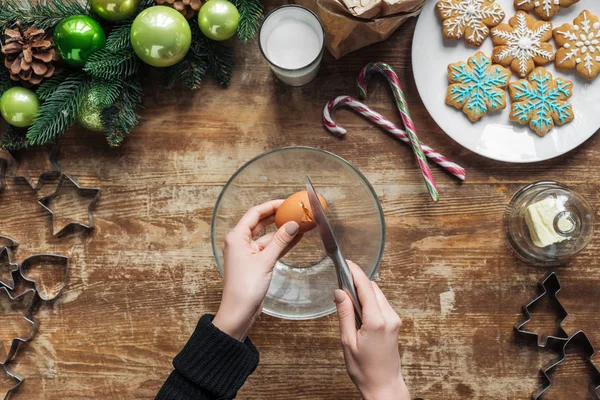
(141, 280)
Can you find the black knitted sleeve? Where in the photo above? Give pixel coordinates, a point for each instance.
(212, 365)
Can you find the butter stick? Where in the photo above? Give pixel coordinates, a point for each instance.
(540, 218)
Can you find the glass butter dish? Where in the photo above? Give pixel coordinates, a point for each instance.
(546, 223)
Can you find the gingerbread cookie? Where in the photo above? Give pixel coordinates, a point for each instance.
(477, 86)
(579, 45)
(470, 19)
(541, 101)
(522, 44)
(545, 9)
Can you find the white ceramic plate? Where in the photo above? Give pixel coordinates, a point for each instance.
(495, 136)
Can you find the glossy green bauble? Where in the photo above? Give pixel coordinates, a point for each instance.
(160, 36)
(115, 10)
(78, 37)
(90, 115)
(19, 106)
(218, 19)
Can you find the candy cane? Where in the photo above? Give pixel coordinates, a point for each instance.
(363, 80)
(380, 120)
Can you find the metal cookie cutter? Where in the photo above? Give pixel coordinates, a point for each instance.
(18, 378)
(6, 241)
(95, 192)
(581, 339)
(6, 261)
(54, 259)
(6, 356)
(550, 286)
(17, 159)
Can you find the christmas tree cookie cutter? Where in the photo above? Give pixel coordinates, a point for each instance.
(6, 260)
(94, 193)
(550, 287)
(581, 339)
(61, 261)
(18, 378)
(16, 343)
(55, 172)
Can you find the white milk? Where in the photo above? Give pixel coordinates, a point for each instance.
(292, 41)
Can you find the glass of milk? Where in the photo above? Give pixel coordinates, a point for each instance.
(292, 40)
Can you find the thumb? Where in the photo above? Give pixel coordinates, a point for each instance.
(282, 238)
(345, 312)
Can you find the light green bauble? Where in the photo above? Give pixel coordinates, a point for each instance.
(218, 19)
(90, 116)
(78, 37)
(160, 36)
(19, 106)
(115, 10)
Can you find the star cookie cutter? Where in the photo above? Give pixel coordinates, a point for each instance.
(3, 165)
(45, 201)
(6, 261)
(17, 159)
(19, 379)
(54, 259)
(581, 339)
(16, 343)
(550, 286)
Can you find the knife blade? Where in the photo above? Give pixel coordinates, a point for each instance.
(344, 275)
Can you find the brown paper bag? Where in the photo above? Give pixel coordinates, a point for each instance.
(352, 24)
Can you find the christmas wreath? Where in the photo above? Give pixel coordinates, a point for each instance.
(67, 62)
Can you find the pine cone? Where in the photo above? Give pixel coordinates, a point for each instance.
(187, 8)
(29, 55)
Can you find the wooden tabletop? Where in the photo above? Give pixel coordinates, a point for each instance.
(141, 280)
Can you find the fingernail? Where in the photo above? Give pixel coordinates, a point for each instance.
(292, 228)
(338, 296)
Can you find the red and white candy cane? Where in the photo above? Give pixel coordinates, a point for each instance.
(375, 117)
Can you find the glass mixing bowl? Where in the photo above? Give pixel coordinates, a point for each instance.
(304, 280)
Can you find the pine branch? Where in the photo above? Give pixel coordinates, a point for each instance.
(169, 76)
(251, 15)
(109, 65)
(49, 85)
(42, 16)
(107, 91)
(14, 139)
(5, 81)
(120, 36)
(219, 57)
(60, 110)
(120, 118)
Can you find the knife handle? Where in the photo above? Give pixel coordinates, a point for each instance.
(346, 283)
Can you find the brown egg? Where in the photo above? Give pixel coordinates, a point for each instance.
(297, 208)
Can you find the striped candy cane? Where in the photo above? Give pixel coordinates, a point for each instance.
(375, 117)
(385, 69)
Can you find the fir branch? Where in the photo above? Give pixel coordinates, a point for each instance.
(251, 15)
(60, 110)
(169, 76)
(120, 36)
(219, 57)
(14, 139)
(108, 65)
(107, 92)
(193, 72)
(5, 81)
(120, 118)
(42, 16)
(49, 85)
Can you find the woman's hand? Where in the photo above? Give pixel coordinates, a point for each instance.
(248, 267)
(371, 353)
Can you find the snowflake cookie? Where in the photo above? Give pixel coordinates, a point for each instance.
(477, 86)
(522, 44)
(579, 45)
(541, 101)
(470, 19)
(545, 9)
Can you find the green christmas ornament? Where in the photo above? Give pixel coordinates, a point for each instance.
(160, 36)
(115, 10)
(19, 106)
(218, 19)
(78, 37)
(90, 115)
